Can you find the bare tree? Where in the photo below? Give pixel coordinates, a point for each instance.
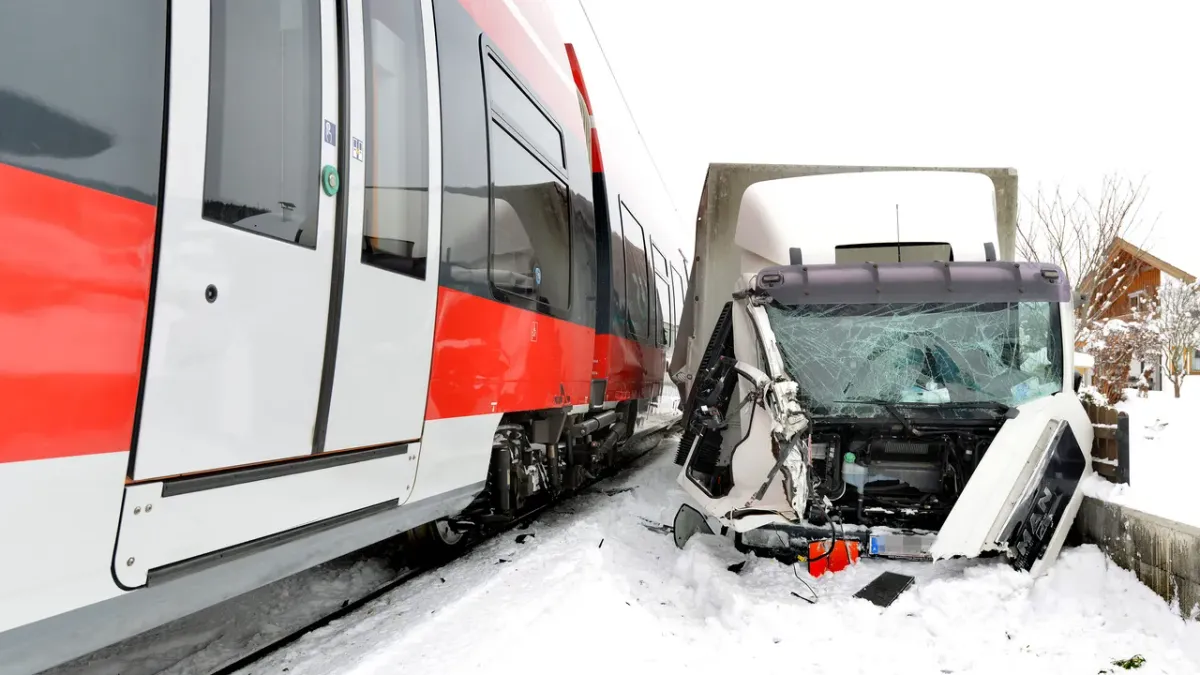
(1177, 327)
(1077, 234)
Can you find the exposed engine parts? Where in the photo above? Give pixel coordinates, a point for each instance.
(873, 475)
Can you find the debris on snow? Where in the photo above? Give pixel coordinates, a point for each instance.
(963, 616)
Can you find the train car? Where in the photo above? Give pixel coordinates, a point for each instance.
(284, 279)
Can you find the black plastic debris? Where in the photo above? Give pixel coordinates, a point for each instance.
(522, 537)
(885, 588)
(616, 491)
(503, 560)
(601, 544)
(737, 567)
(810, 601)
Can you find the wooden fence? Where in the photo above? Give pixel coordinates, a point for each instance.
(1110, 449)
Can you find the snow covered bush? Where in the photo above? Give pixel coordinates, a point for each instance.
(1114, 343)
(1093, 396)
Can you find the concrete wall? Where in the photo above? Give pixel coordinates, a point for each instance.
(1164, 554)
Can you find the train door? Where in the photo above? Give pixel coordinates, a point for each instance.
(293, 313)
(384, 333)
(245, 257)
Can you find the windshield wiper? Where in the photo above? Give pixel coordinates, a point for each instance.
(1004, 409)
(891, 408)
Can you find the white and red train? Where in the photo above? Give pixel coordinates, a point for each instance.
(280, 279)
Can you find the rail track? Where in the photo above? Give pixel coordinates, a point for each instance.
(111, 660)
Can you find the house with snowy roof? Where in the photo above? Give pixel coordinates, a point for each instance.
(1132, 277)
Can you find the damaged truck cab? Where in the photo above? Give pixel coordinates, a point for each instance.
(912, 395)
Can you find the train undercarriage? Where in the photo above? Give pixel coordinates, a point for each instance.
(538, 458)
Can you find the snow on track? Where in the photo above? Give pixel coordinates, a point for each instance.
(593, 589)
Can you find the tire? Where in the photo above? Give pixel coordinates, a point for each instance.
(719, 342)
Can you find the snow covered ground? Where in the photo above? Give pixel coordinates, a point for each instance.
(1164, 455)
(599, 588)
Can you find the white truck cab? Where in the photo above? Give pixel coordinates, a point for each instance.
(911, 392)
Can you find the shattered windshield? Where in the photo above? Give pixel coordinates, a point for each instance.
(924, 353)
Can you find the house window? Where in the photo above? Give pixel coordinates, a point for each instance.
(1138, 300)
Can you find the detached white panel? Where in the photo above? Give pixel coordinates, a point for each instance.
(456, 453)
(987, 500)
(60, 517)
(385, 342)
(172, 529)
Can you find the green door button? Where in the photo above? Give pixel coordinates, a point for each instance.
(330, 180)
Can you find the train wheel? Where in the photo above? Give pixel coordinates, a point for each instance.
(446, 535)
(434, 541)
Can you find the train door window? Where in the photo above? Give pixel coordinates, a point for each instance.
(530, 214)
(81, 98)
(264, 109)
(396, 199)
(637, 285)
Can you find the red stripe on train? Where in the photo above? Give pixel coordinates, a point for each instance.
(632, 369)
(492, 357)
(75, 279)
(519, 48)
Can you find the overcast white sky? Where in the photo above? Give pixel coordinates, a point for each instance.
(1064, 93)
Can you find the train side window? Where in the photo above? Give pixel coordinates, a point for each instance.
(264, 117)
(511, 103)
(662, 284)
(679, 288)
(637, 278)
(663, 300)
(396, 199)
(81, 94)
(620, 299)
(531, 236)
